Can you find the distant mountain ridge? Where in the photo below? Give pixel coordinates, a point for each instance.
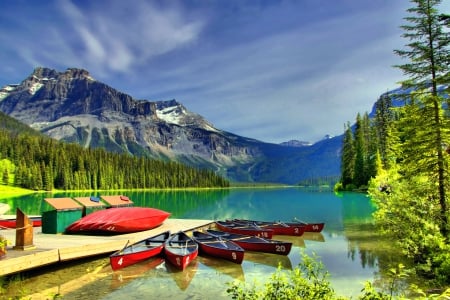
(72, 106)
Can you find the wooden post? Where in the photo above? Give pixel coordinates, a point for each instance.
(24, 232)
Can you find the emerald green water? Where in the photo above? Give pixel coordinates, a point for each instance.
(348, 247)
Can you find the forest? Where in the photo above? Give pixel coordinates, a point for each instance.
(33, 161)
(401, 155)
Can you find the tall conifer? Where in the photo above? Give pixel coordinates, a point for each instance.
(428, 63)
(347, 157)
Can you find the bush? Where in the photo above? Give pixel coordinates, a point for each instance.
(309, 280)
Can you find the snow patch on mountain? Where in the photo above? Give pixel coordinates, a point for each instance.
(6, 90)
(34, 87)
(173, 114)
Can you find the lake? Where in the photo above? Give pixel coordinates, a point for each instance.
(349, 247)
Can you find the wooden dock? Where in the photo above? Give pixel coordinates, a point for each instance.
(58, 248)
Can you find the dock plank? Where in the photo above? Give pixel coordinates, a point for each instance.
(10, 265)
(56, 248)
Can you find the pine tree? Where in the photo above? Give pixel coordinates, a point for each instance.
(347, 157)
(411, 196)
(5, 177)
(384, 120)
(360, 153)
(428, 55)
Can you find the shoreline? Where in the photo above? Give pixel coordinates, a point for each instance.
(11, 191)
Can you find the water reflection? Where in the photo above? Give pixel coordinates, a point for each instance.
(268, 259)
(182, 278)
(123, 276)
(349, 247)
(224, 267)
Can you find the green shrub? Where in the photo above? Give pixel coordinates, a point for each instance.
(309, 280)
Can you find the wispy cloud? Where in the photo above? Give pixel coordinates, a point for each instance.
(303, 82)
(119, 36)
(102, 37)
(267, 70)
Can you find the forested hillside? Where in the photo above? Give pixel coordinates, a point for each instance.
(33, 161)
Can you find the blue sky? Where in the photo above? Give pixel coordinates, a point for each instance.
(270, 70)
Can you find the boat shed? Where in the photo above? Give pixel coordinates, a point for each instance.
(65, 212)
(117, 201)
(90, 204)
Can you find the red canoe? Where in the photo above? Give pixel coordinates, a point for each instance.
(213, 245)
(11, 222)
(246, 229)
(138, 251)
(309, 227)
(119, 220)
(285, 228)
(180, 250)
(255, 243)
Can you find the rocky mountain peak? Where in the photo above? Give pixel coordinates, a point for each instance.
(42, 73)
(73, 107)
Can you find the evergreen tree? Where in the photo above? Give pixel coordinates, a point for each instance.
(412, 195)
(347, 158)
(428, 55)
(384, 118)
(359, 178)
(5, 176)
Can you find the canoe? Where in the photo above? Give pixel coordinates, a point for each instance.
(11, 222)
(213, 245)
(255, 243)
(249, 229)
(119, 220)
(285, 228)
(139, 251)
(279, 228)
(309, 227)
(180, 250)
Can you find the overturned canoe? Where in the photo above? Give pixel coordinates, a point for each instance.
(119, 220)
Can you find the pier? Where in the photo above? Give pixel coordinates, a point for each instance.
(58, 248)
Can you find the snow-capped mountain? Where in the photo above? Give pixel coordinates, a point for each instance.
(72, 106)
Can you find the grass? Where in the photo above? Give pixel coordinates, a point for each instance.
(7, 191)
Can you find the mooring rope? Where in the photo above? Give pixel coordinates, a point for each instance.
(20, 228)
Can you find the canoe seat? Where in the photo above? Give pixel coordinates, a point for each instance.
(154, 242)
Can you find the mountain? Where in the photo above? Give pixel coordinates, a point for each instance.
(72, 106)
(295, 143)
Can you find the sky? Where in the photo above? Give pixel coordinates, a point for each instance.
(272, 70)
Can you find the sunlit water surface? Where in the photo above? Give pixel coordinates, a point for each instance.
(348, 247)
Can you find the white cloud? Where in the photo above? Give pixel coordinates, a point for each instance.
(120, 36)
(274, 72)
(308, 81)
